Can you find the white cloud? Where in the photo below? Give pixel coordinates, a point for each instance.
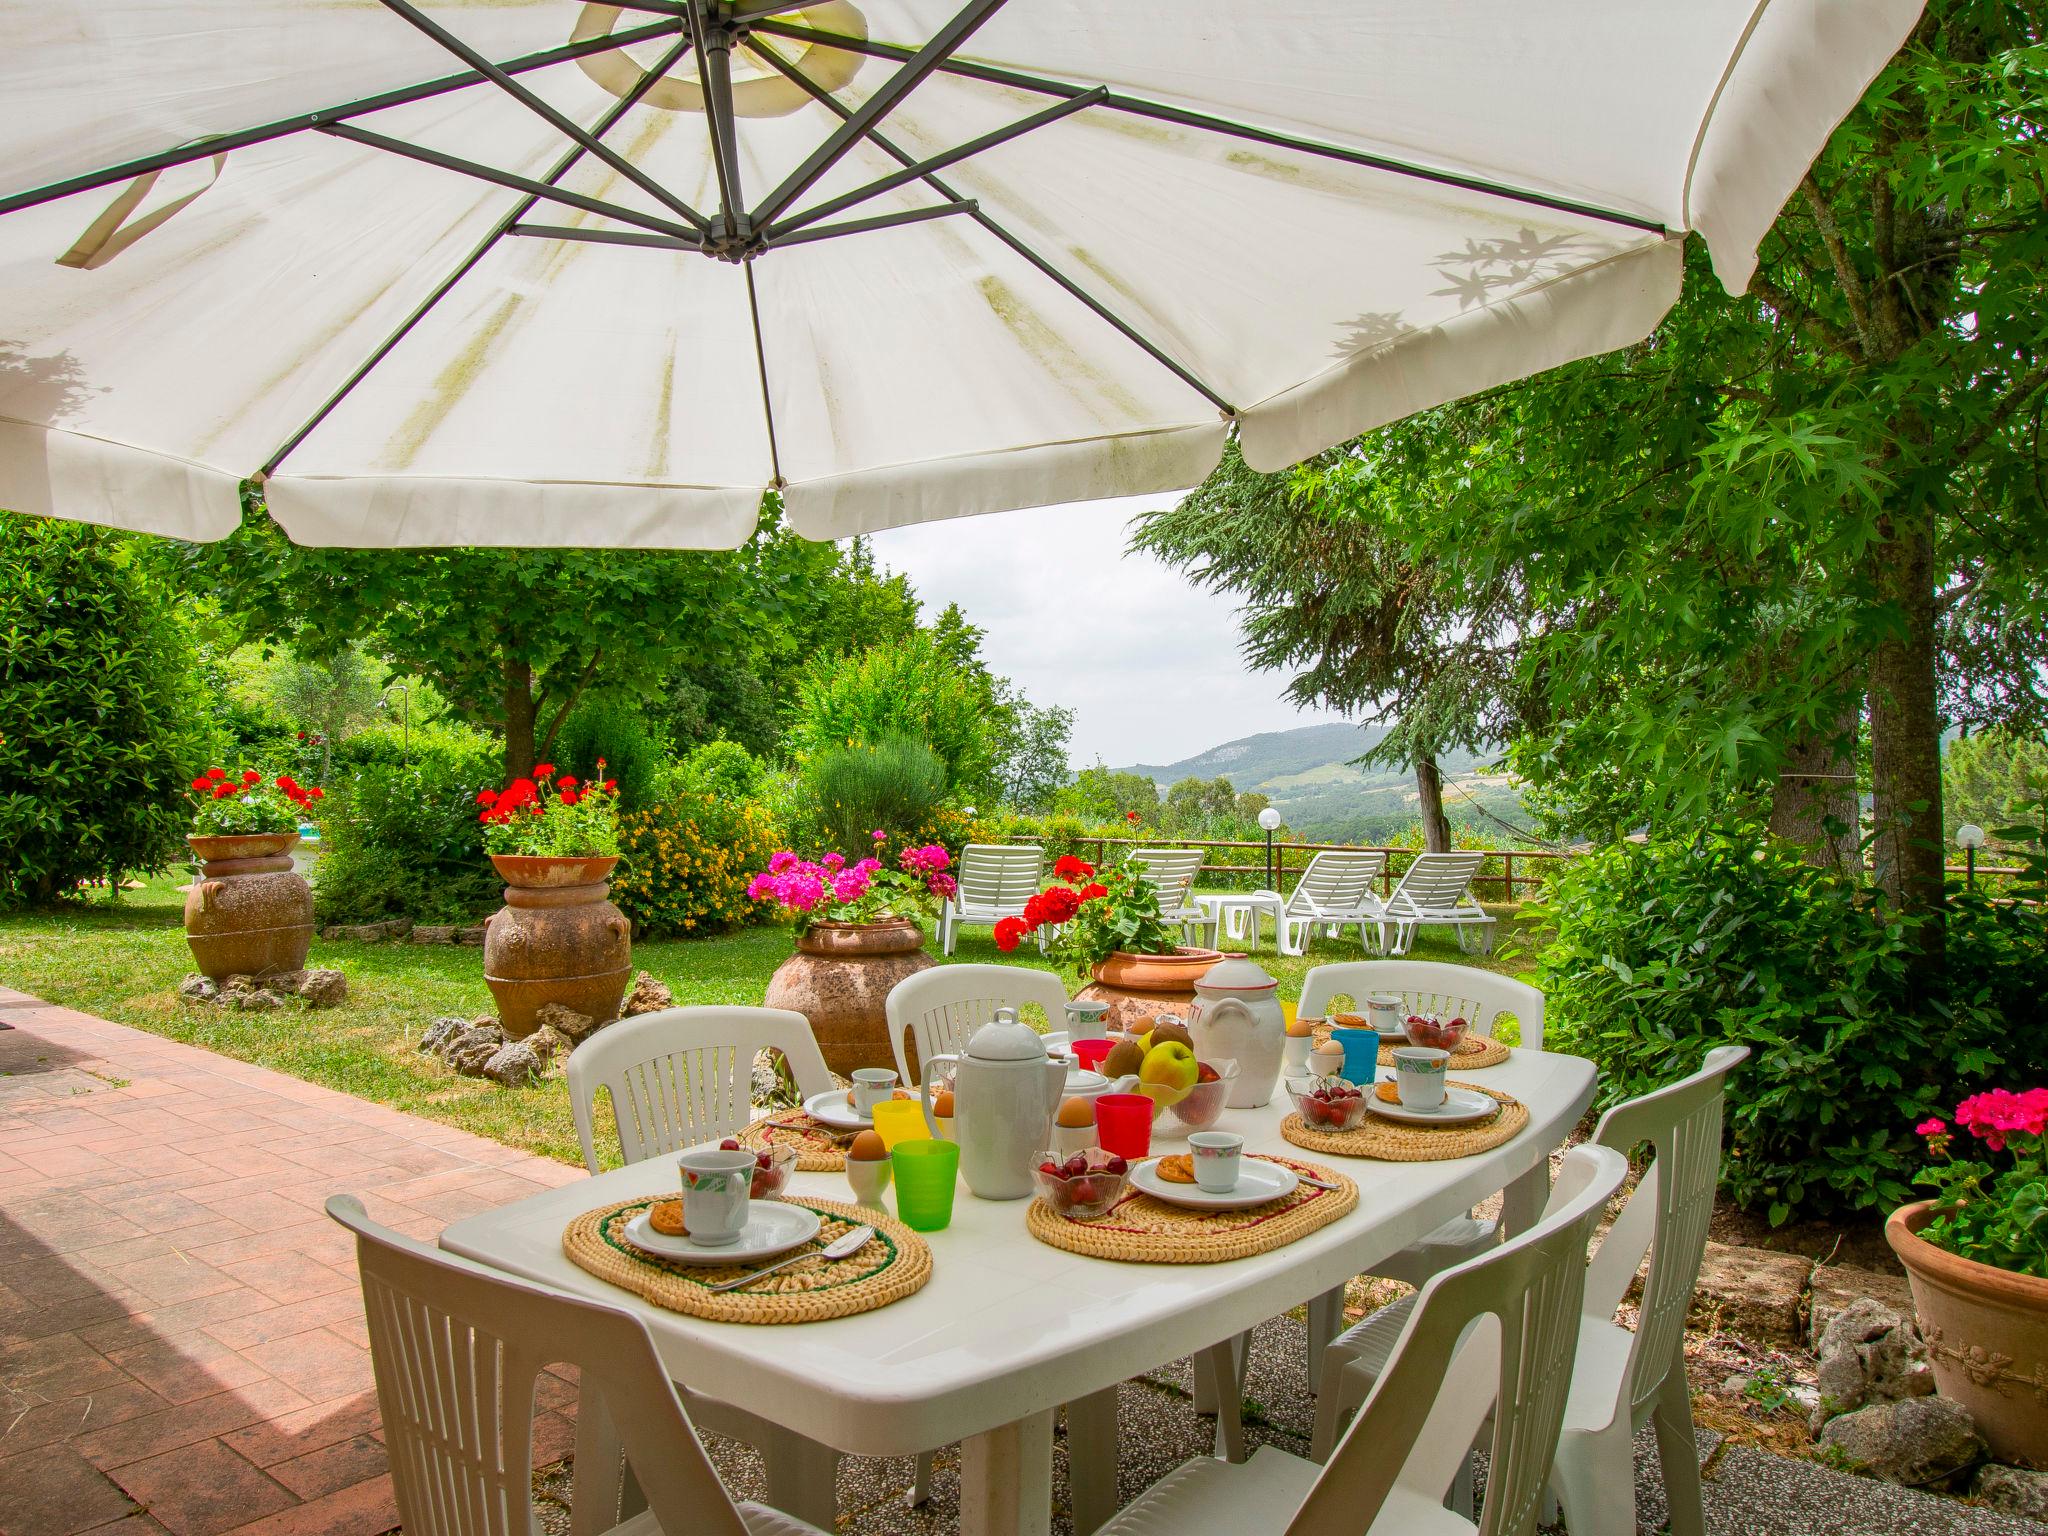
(1149, 663)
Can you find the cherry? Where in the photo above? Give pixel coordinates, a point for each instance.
(1116, 1165)
(730, 1144)
(1050, 1170)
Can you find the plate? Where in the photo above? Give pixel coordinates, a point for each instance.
(1258, 1183)
(772, 1227)
(1461, 1106)
(836, 1110)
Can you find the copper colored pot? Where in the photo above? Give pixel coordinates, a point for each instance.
(249, 913)
(1987, 1335)
(840, 978)
(556, 940)
(1139, 988)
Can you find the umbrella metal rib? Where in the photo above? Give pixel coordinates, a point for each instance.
(1138, 106)
(714, 70)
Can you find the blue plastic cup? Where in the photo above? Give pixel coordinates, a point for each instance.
(1361, 1052)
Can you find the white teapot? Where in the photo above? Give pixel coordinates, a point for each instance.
(1237, 1017)
(1006, 1091)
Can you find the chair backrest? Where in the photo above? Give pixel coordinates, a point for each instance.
(1335, 882)
(685, 1075)
(1437, 882)
(456, 1348)
(1430, 986)
(1494, 1335)
(1173, 871)
(1667, 1213)
(999, 877)
(939, 1008)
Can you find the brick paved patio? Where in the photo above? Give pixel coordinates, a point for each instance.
(181, 1335)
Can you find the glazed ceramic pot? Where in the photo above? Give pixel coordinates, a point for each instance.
(1987, 1337)
(557, 939)
(249, 913)
(1006, 1091)
(1139, 988)
(1237, 1018)
(840, 978)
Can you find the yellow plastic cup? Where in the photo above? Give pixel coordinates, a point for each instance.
(899, 1120)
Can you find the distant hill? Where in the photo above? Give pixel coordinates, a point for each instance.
(1309, 776)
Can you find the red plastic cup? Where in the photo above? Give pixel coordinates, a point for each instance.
(1123, 1122)
(1091, 1053)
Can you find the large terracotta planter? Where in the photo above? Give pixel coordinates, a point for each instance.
(249, 913)
(840, 978)
(1987, 1335)
(1139, 988)
(556, 940)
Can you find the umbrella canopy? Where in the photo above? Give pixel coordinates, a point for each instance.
(537, 272)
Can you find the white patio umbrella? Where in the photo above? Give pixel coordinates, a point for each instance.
(537, 272)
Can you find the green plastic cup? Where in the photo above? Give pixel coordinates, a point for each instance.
(926, 1173)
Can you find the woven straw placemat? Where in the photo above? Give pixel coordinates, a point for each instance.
(819, 1148)
(1141, 1230)
(1390, 1141)
(1473, 1052)
(895, 1264)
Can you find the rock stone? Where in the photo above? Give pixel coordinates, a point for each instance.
(433, 933)
(1752, 1293)
(564, 1021)
(197, 989)
(2014, 1490)
(469, 1051)
(1869, 1354)
(322, 989)
(440, 1032)
(1835, 1287)
(1917, 1442)
(513, 1065)
(255, 1000)
(647, 996)
(472, 936)
(550, 1045)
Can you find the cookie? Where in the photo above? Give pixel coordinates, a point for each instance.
(1178, 1169)
(1388, 1092)
(666, 1217)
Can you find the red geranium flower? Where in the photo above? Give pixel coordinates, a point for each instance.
(1091, 891)
(1060, 904)
(568, 797)
(222, 791)
(202, 783)
(251, 776)
(1071, 868)
(543, 770)
(317, 792)
(567, 781)
(611, 786)
(1130, 815)
(1010, 933)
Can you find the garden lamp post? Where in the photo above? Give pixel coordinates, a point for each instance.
(1969, 838)
(1270, 820)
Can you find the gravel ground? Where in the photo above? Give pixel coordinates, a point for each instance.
(1748, 1492)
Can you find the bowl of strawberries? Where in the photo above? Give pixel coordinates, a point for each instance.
(1327, 1103)
(1084, 1185)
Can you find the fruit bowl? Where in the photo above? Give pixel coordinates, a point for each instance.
(1204, 1103)
(1328, 1103)
(772, 1168)
(1084, 1185)
(1429, 1030)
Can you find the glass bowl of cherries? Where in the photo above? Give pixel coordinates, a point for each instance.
(1327, 1103)
(772, 1168)
(1084, 1185)
(1436, 1032)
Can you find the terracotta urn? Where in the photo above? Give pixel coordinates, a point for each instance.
(1139, 988)
(556, 940)
(249, 913)
(840, 978)
(1987, 1337)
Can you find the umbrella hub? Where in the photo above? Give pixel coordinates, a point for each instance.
(757, 92)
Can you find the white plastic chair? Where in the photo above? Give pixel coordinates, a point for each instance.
(1436, 891)
(1620, 1379)
(939, 1008)
(1172, 872)
(1335, 889)
(456, 1348)
(1492, 1337)
(682, 1076)
(1429, 986)
(996, 879)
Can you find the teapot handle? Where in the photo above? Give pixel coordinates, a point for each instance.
(1218, 1009)
(924, 1088)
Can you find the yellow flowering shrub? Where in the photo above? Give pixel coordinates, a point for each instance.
(684, 864)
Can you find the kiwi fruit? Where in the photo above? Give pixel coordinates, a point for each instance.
(1172, 1029)
(1125, 1057)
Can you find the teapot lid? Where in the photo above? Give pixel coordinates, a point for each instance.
(1237, 974)
(1006, 1038)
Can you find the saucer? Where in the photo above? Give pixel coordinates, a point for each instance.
(835, 1108)
(772, 1227)
(1258, 1183)
(1461, 1106)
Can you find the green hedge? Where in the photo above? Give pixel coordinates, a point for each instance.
(399, 834)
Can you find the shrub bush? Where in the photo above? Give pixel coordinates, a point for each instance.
(1664, 950)
(716, 768)
(399, 834)
(894, 785)
(910, 689)
(686, 862)
(97, 719)
(606, 727)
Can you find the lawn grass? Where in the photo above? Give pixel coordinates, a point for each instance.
(123, 960)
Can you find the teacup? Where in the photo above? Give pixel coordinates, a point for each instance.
(1419, 1072)
(716, 1189)
(1387, 1012)
(1085, 1020)
(1216, 1155)
(872, 1086)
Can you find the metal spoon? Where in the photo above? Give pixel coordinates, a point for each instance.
(839, 1248)
(1304, 1178)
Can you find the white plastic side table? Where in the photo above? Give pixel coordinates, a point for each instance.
(1237, 914)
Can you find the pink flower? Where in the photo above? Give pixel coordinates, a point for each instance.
(832, 863)
(1934, 1127)
(851, 885)
(868, 866)
(782, 862)
(879, 835)
(942, 886)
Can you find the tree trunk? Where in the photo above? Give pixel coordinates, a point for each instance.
(519, 711)
(1816, 805)
(1905, 721)
(1429, 788)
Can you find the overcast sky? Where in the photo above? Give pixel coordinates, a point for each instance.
(1148, 663)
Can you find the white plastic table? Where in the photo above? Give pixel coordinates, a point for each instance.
(1249, 906)
(1008, 1329)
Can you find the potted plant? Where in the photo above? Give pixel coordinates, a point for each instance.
(1977, 1257)
(1108, 927)
(857, 936)
(554, 841)
(250, 913)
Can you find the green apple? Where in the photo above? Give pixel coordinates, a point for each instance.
(1169, 1073)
